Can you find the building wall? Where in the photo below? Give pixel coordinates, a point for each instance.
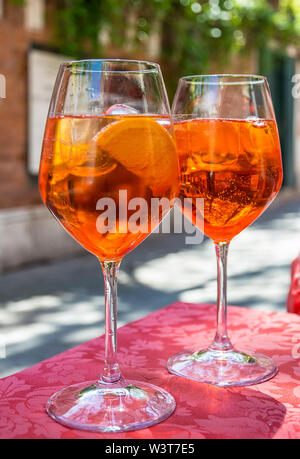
(17, 188)
(28, 233)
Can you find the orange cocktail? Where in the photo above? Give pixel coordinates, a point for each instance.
(108, 154)
(235, 165)
(90, 157)
(231, 170)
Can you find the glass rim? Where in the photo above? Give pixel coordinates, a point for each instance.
(152, 66)
(216, 79)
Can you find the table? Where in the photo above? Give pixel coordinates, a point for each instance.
(268, 410)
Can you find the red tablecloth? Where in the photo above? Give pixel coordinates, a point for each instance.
(268, 410)
(293, 300)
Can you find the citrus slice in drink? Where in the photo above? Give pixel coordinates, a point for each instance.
(143, 147)
(75, 154)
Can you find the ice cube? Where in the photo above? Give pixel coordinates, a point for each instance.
(165, 122)
(252, 118)
(119, 109)
(82, 130)
(256, 122)
(94, 162)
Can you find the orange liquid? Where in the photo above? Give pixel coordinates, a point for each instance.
(235, 166)
(75, 173)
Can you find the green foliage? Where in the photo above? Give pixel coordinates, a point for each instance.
(77, 24)
(194, 33)
(17, 2)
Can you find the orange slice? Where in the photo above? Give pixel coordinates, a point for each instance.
(143, 147)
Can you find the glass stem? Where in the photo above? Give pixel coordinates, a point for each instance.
(221, 341)
(111, 372)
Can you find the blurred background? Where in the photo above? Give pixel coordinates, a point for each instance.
(51, 290)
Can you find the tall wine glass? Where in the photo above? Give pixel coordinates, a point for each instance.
(229, 154)
(108, 152)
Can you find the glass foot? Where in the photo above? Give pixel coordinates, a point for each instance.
(223, 368)
(96, 407)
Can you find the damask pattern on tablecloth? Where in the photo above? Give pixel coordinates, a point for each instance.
(268, 410)
(293, 299)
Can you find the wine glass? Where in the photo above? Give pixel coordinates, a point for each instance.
(229, 155)
(108, 152)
